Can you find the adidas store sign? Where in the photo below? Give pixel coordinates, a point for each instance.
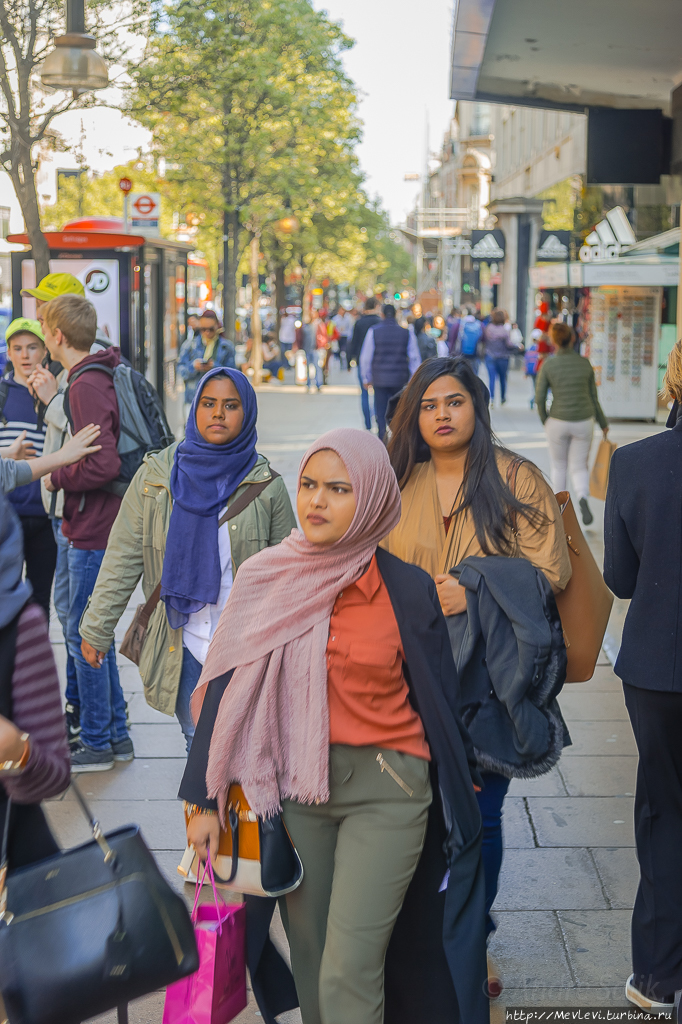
(487, 246)
(554, 246)
(608, 238)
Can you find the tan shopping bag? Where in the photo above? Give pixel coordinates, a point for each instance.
(585, 604)
(599, 477)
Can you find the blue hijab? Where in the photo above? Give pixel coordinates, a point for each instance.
(203, 477)
(14, 590)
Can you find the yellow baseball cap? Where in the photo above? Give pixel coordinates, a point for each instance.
(54, 285)
(22, 325)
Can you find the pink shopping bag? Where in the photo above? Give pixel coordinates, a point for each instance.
(216, 993)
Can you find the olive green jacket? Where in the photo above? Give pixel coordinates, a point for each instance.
(136, 548)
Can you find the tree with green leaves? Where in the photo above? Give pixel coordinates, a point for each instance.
(27, 110)
(249, 103)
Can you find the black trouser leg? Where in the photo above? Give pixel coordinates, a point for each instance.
(656, 718)
(40, 555)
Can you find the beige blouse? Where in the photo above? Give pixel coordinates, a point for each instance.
(420, 536)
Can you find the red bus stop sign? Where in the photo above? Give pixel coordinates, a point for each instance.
(125, 184)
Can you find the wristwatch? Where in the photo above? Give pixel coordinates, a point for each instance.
(17, 766)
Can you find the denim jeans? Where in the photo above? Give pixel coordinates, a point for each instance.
(364, 400)
(102, 707)
(314, 364)
(497, 367)
(189, 677)
(490, 802)
(61, 606)
(382, 397)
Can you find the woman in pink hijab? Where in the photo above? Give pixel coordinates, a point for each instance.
(330, 695)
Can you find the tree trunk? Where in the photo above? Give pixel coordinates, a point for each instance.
(230, 235)
(280, 293)
(23, 179)
(256, 335)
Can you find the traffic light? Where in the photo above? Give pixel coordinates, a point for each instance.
(397, 296)
(466, 287)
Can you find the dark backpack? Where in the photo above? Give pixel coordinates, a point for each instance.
(470, 334)
(144, 427)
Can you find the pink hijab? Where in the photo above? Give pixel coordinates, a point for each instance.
(271, 733)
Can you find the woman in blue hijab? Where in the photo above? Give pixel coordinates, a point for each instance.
(172, 531)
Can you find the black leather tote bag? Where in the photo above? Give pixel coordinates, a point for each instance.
(89, 929)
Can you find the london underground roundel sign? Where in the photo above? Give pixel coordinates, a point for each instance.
(144, 205)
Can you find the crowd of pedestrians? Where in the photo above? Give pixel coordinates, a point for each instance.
(372, 679)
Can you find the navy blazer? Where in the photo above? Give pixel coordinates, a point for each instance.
(643, 557)
(436, 959)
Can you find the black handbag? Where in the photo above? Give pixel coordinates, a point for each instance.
(89, 929)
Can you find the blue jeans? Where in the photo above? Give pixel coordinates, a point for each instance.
(313, 360)
(490, 802)
(382, 397)
(498, 367)
(102, 707)
(364, 400)
(60, 597)
(189, 677)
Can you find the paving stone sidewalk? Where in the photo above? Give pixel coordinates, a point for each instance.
(569, 875)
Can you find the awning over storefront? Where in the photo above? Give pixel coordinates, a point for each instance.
(652, 262)
(543, 53)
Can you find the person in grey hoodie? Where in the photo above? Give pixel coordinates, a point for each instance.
(496, 340)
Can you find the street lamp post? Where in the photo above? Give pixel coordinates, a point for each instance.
(74, 63)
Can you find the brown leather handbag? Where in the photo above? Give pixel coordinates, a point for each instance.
(585, 603)
(136, 633)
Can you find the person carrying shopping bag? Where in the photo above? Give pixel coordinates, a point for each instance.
(569, 422)
(172, 532)
(328, 692)
(482, 533)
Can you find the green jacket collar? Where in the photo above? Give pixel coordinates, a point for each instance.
(159, 465)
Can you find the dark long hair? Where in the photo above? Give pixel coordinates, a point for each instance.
(493, 506)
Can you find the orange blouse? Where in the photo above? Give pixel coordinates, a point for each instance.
(368, 695)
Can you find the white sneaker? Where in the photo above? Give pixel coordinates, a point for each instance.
(639, 999)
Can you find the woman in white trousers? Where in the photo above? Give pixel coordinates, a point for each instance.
(569, 422)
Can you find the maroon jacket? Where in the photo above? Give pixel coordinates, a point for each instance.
(89, 512)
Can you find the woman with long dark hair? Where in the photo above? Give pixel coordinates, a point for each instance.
(475, 514)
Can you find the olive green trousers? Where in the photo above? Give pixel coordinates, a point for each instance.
(359, 852)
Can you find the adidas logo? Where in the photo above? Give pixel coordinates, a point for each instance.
(608, 237)
(552, 249)
(487, 249)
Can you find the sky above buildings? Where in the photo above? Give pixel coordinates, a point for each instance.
(400, 64)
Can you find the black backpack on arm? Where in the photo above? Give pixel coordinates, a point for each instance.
(144, 426)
